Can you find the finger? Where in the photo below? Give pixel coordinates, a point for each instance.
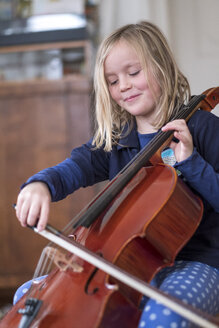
(178, 135)
(43, 219)
(177, 125)
(173, 145)
(33, 214)
(23, 213)
(18, 206)
(183, 136)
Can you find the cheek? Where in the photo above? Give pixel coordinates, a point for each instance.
(114, 94)
(142, 84)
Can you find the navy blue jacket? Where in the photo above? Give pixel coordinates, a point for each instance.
(87, 166)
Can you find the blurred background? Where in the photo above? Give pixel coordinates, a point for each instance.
(47, 52)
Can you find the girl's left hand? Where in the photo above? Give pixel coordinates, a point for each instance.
(184, 148)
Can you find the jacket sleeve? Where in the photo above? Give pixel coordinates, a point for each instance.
(85, 167)
(201, 169)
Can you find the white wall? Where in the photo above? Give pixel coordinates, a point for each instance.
(56, 7)
(195, 39)
(115, 13)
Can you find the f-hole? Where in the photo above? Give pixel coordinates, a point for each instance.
(86, 288)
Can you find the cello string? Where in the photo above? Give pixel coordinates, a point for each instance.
(43, 268)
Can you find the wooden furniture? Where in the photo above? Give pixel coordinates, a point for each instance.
(85, 45)
(40, 122)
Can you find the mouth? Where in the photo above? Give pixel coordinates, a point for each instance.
(131, 98)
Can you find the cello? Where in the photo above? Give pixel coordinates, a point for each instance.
(102, 273)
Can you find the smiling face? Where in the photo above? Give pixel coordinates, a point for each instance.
(128, 85)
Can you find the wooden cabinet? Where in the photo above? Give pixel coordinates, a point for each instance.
(40, 123)
(36, 61)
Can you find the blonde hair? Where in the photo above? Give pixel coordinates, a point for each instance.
(157, 59)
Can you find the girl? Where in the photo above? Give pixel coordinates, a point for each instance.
(138, 87)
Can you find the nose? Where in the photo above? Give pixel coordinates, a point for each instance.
(125, 84)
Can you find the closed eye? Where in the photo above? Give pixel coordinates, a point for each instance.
(135, 73)
(112, 82)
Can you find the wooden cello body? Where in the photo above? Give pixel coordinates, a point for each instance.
(140, 231)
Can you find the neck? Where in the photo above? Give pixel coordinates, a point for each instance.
(144, 126)
(146, 129)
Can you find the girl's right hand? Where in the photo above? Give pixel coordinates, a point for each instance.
(33, 204)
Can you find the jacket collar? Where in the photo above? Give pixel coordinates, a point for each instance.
(129, 140)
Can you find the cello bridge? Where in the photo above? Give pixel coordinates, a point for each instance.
(61, 260)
